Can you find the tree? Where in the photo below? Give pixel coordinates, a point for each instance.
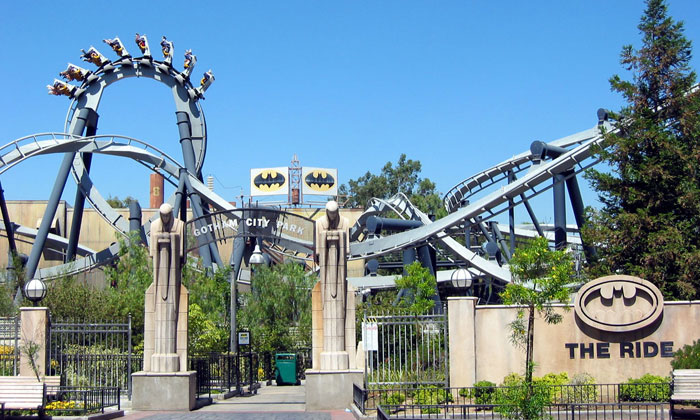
(402, 178)
(539, 278)
(418, 288)
(277, 311)
(647, 226)
(117, 203)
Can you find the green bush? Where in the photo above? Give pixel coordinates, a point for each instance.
(393, 398)
(585, 390)
(523, 402)
(431, 396)
(687, 357)
(648, 388)
(482, 392)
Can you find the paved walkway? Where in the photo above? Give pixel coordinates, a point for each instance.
(271, 402)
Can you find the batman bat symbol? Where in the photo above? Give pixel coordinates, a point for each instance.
(319, 181)
(269, 180)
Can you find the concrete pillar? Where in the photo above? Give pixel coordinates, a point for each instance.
(462, 332)
(34, 324)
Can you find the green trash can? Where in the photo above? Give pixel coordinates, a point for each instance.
(286, 369)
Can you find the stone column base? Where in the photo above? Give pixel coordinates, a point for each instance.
(163, 391)
(330, 389)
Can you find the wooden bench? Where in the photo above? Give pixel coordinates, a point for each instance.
(22, 393)
(686, 385)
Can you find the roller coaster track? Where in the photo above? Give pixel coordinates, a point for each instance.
(493, 195)
(24, 148)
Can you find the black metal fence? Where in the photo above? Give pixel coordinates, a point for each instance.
(598, 401)
(405, 349)
(9, 346)
(92, 354)
(79, 401)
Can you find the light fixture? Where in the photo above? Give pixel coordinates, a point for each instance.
(35, 290)
(461, 278)
(257, 257)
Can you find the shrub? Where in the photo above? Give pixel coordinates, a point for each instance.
(432, 396)
(688, 357)
(481, 393)
(648, 388)
(523, 402)
(393, 398)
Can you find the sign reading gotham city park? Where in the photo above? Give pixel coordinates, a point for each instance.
(288, 230)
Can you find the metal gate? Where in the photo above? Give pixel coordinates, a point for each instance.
(9, 346)
(403, 349)
(91, 354)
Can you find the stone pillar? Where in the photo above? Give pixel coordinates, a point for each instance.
(333, 285)
(165, 383)
(462, 329)
(34, 323)
(329, 384)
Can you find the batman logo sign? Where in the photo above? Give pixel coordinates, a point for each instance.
(319, 181)
(269, 180)
(618, 303)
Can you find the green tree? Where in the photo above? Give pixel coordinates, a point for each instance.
(419, 288)
(117, 203)
(539, 277)
(277, 311)
(128, 278)
(402, 178)
(651, 197)
(210, 295)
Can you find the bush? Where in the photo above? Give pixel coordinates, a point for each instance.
(523, 402)
(481, 393)
(431, 396)
(393, 398)
(687, 357)
(648, 388)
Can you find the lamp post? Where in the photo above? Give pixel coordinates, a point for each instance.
(35, 290)
(461, 278)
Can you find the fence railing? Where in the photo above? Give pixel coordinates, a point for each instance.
(9, 345)
(79, 401)
(403, 349)
(561, 401)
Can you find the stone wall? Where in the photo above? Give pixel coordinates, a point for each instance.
(480, 347)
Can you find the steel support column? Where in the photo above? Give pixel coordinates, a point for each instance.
(511, 217)
(559, 211)
(55, 197)
(79, 202)
(185, 131)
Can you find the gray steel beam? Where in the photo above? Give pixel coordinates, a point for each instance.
(501, 240)
(79, 203)
(55, 197)
(8, 225)
(78, 207)
(559, 193)
(511, 217)
(135, 220)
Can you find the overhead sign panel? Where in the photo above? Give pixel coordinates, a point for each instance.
(269, 181)
(319, 181)
(289, 231)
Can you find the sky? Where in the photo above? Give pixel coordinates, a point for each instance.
(457, 85)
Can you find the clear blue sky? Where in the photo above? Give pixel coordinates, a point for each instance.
(458, 85)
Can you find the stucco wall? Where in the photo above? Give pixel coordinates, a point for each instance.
(496, 356)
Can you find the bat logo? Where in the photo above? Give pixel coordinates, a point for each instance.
(269, 180)
(618, 303)
(319, 181)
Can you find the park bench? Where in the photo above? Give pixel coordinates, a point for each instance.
(686, 385)
(26, 393)
(22, 393)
